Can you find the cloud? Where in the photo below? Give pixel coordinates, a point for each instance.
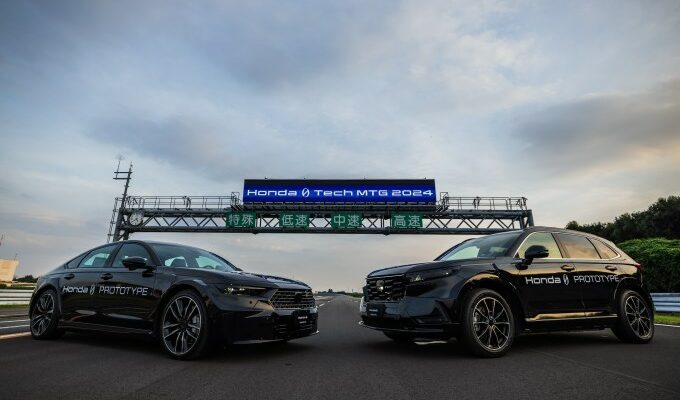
(604, 130)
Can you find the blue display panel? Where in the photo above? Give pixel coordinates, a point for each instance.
(339, 191)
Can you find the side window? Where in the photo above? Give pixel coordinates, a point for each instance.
(176, 262)
(74, 263)
(605, 251)
(130, 250)
(544, 239)
(578, 246)
(205, 262)
(97, 257)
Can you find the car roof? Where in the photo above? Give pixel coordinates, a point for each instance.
(151, 242)
(562, 230)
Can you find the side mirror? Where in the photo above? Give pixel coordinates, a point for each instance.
(535, 251)
(135, 263)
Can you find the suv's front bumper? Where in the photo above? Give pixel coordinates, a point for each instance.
(422, 317)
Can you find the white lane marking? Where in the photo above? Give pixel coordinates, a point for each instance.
(432, 342)
(14, 335)
(15, 326)
(322, 304)
(670, 326)
(15, 320)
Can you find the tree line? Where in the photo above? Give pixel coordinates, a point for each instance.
(660, 220)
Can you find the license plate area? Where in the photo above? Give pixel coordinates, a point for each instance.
(375, 310)
(301, 319)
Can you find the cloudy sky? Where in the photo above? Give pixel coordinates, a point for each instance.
(575, 105)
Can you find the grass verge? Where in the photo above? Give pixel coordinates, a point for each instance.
(663, 318)
(13, 305)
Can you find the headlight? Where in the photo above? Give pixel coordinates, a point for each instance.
(413, 277)
(245, 290)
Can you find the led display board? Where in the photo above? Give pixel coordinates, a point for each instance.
(339, 191)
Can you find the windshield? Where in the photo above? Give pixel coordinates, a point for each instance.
(191, 257)
(488, 246)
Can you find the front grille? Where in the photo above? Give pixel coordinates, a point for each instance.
(385, 289)
(292, 299)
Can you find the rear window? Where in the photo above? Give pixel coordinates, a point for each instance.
(605, 251)
(578, 246)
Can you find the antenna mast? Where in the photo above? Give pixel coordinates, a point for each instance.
(119, 175)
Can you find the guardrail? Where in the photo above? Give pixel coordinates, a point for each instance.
(666, 302)
(15, 296)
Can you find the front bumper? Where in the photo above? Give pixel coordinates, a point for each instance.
(240, 327)
(422, 317)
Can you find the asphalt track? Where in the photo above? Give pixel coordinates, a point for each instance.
(344, 361)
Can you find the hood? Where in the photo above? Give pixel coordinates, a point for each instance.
(243, 278)
(280, 280)
(403, 269)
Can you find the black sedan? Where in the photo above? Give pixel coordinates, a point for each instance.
(486, 291)
(190, 299)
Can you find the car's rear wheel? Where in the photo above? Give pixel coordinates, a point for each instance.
(184, 329)
(636, 318)
(44, 319)
(488, 324)
(400, 337)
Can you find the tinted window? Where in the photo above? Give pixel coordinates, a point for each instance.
(544, 239)
(130, 250)
(74, 263)
(97, 258)
(489, 246)
(190, 257)
(605, 251)
(578, 246)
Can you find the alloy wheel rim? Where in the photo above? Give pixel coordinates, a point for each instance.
(42, 314)
(637, 314)
(491, 323)
(181, 325)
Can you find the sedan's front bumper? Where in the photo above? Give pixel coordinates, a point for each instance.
(268, 326)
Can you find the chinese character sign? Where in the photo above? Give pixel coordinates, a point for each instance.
(346, 220)
(294, 220)
(406, 221)
(241, 219)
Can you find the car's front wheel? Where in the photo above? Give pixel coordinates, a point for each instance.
(636, 318)
(488, 324)
(43, 316)
(183, 328)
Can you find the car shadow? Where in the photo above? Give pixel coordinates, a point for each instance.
(452, 348)
(148, 345)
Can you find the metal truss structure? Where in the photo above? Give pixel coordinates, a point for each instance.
(451, 215)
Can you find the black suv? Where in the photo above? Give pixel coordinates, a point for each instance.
(487, 290)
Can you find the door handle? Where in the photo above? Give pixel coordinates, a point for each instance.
(69, 276)
(106, 276)
(610, 268)
(567, 267)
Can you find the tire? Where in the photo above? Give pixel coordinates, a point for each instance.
(635, 323)
(487, 325)
(184, 331)
(400, 337)
(44, 318)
